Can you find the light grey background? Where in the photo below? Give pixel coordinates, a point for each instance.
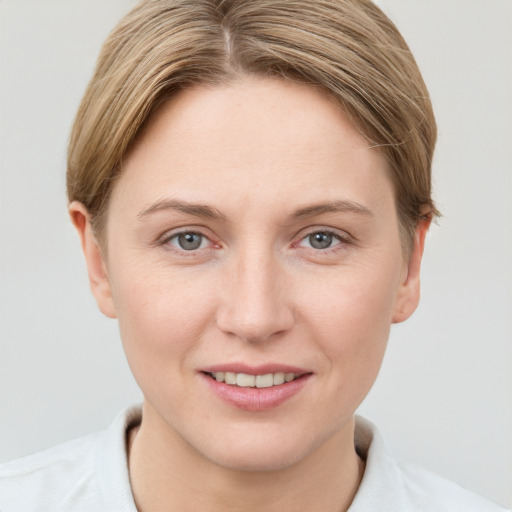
(444, 396)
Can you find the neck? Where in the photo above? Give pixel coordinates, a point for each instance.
(166, 473)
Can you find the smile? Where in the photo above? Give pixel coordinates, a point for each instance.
(244, 380)
(255, 389)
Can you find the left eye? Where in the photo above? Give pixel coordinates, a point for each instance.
(189, 241)
(321, 240)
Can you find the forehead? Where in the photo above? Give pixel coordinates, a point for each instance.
(244, 108)
(253, 138)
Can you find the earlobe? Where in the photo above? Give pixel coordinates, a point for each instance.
(96, 268)
(408, 295)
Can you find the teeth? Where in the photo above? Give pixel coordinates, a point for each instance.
(279, 378)
(250, 381)
(245, 381)
(229, 378)
(265, 381)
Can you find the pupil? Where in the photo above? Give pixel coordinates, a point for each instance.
(320, 240)
(189, 241)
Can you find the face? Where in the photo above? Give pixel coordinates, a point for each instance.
(252, 238)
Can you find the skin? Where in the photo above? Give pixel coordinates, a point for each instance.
(262, 154)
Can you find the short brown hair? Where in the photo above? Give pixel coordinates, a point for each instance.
(348, 47)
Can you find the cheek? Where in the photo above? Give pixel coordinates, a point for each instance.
(352, 316)
(356, 299)
(161, 314)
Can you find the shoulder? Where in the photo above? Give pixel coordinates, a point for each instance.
(89, 473)
(431, 492)
(54, 476)
(391, 486)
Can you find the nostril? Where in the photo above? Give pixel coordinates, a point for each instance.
(253, 307)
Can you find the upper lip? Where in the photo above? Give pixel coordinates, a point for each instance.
(261, 369)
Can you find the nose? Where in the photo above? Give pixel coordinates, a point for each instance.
(255, 305)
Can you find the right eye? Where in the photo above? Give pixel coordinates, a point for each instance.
(322, 240)
(188, 241)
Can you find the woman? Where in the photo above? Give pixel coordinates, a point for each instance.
(250, 182)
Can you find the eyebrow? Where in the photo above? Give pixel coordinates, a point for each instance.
(201, 210)
(332, 207)
(197, 210)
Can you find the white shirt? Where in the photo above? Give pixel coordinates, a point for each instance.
(90, 474)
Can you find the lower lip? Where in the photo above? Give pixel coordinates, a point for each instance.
(256, 399)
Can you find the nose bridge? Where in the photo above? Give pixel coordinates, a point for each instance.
(255, 305)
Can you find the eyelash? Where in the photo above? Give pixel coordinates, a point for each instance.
(342, 241)
(165, 241)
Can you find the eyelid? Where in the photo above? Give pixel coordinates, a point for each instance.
(167, 236)
(174, 240)
(343, 237)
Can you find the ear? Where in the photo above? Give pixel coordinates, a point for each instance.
(96, 268)
(408, 295)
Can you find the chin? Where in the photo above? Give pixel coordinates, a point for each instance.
(257, 461)
(264, 451)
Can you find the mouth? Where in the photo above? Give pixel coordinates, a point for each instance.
(255, 389)
(244, 380)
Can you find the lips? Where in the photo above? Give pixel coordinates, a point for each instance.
(255, 388)
(244, 380)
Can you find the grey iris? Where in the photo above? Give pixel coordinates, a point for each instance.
(320, 240)
(190, 241)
